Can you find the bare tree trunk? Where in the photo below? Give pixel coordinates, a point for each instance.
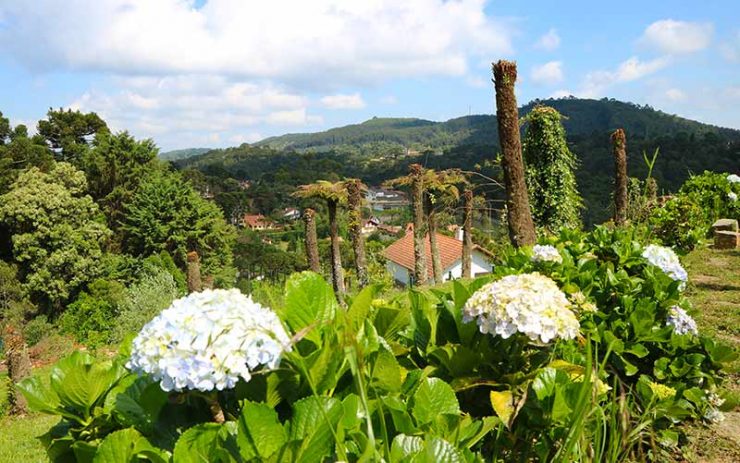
(519, 216)
(417, 201)
(354, 202)
(619, 147)
(337, 273)
(434, 248)
(312, 245)
(195, 283)
(19, 368)
(467, 249)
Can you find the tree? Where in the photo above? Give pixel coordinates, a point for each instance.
(518, 214)
(57, 230)
(18, 152)
(333, 193)
(619, 149)
(550, 171)
(415, 180)
(440, 191)
(312, 245)
(166, 214)
(69, 133)
(355, 190)
(467, 251)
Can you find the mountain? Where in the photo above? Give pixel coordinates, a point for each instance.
(176, 155)
(382, 148)
(582, 117)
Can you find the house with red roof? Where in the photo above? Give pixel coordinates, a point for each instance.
(400, 258)
(257, 222)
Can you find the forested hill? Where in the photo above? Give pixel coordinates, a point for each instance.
(583, 117)
(176, 155)
(380, 149)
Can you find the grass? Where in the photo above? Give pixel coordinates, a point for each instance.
(714, 290)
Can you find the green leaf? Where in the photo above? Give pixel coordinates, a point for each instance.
(434, 397)
(360, 308)
(503, 405)
(201, 444)
(404, 446)
(40, 397)
(259, 432)
(128, 445)
(440, 451)
(386, 373)
(309, 301)
(311, 427)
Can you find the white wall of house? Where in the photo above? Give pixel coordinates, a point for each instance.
(480, 265)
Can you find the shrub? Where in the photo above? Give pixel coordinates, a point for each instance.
(680, 222)
(90, 317)
(36, 329)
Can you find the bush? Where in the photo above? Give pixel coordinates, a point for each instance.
(36, 329)
(90, 317)
(680, 223)
(153, 293)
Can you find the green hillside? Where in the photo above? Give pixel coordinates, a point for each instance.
(176, 155)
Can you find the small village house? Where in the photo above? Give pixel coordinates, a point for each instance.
(257, 222)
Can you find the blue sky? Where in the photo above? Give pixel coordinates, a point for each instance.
(221, 72)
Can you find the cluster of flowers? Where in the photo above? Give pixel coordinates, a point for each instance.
(546, 253)
(713, 414)
(207, 341)
(681, 322)
(583, 304)
(530, 303)
(667, 260)
(662, 391)
(732, 178)
(732, 196)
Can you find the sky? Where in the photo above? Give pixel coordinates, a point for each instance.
(216, 73)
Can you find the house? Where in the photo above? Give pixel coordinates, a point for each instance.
(257, 222)
(291, 213)
(400, 258)
(382, 199)
(370, 225)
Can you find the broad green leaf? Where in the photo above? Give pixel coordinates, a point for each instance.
(201, 444)
(313, 420)
(386, 374)
(389, 321)
(259, 432)
(434, 397)
(323, 365)
(440, 451)
(309, 302)
(404, 446)
(360, 308)
(39, 396)
(127, 445)
(503, 405)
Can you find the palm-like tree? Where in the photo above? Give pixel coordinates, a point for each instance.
(334, 193)
(355, 191)
(467, 251)
(312, 245)
(415, 181)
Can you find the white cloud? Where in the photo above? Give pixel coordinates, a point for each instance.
(477, 82)
(549, 41)
(320, 43)
(731, 49)
(353, 101)
(677, 37)
(389, 100)
(675, 94)
(561, 93)
(632, 69)
(550, 73)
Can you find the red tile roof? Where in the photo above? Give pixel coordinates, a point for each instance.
(256, 220)
(402, 251)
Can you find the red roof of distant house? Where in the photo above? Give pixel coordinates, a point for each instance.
(256, 220)
(450, 250)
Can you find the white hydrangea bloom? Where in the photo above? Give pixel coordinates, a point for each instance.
(207, 341)
(714, 416)
(546, 253)
(681, 322)
(732, 178)
(715, 400)
(667, 260)
(531, 304)
(732, 196)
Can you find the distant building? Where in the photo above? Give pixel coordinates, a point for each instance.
(370, 225)
(257, 222)
(400, 258)
(382, 199)
(245, 184)
(291, 213)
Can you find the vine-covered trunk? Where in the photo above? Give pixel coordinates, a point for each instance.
(354, 204)
(195, 284)
(434, 248)
(467, 248)
(518, 214)
(337, 273)
(19, 368)
(312, 245)
(619, 147)
(417, 201)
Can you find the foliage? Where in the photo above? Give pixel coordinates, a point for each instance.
(37, 329)
(90, 318)
(550, 171)
(57, 232)
(69, 132)
(166, 214)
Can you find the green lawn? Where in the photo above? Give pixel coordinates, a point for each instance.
(18, 441)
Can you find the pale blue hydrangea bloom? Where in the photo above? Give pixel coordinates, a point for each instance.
(667, 260)
(732, 178)
(681, 322)
(546, 253)
(732, 196)
(207, 341)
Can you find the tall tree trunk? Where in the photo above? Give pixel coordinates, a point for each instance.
(337, 274)
(519, 216)
(467, 249)
(619, 147)
(19, 368)
(417, 201)
(312, 245)
(354, 203)
(436, 261)
(195, 283)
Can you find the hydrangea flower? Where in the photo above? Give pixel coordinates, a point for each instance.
(732, 196)
(579, 300)
(530, 303)
(667, 260)
(714, 416)
(207, 341)
(546, 253)
(715, 400)
(681, 322)
(732, 178)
